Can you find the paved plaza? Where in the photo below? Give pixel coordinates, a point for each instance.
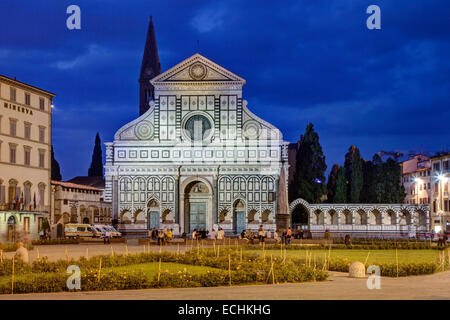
(340, 287)
(55, 252)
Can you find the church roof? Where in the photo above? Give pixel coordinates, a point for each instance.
(96, 182)
(199, 69)
(74, 185)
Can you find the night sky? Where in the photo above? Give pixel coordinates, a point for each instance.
(304, 61)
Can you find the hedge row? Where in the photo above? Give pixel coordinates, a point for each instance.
(379, 246)
(111, 280)
(390, 269)
(10, 247)
(373, 241)
(55, 241)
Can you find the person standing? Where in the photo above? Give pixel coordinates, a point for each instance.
(288, 236)
(220, 234)
(276, 236)
(106, 238)
(161, 236)
(170, 235)
(261, 234)
(212, 234)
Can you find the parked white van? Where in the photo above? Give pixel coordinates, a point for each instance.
(104, 228)
(74, 230)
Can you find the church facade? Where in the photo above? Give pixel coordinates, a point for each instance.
(197, 158)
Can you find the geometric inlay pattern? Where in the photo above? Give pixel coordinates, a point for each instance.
(144, 130)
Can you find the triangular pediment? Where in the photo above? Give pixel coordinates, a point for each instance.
(197, 68)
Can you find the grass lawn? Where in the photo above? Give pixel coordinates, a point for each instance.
(381, 256)
(151, 269)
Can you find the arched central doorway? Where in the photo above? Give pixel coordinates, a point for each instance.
(300, 217)
(197, 205)
(239, 216)
(11, 229)
(152, 215)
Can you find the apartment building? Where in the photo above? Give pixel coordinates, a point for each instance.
(426, 181)
(25, 158)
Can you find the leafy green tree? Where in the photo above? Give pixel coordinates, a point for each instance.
(309, 177)
(56, 171)
(45, 225)
(96, 168)
(340, 193)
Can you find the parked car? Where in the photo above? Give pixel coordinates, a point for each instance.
(74, 230)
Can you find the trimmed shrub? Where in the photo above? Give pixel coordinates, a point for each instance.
(10, 247)
(55, 241)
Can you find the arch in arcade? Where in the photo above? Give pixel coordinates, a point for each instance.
(300, 212)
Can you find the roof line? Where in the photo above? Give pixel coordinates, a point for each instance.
(28, 85)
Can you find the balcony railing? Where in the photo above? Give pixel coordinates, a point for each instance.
(23, 207)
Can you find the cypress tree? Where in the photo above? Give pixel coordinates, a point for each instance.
(377, 189)
(393, 191)
(331, 184)
(348, 168)
(309, 178)
(56, 171)
(96, 168)
(368, 171)
(340, 194)
(356, 177)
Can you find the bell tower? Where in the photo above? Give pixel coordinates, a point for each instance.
(150, 68)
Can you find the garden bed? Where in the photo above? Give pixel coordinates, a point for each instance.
(410, 262)
(196, 268)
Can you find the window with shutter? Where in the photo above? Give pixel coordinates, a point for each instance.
(41, 197)
(2, 194)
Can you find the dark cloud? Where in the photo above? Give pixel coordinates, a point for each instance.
(313, 60)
